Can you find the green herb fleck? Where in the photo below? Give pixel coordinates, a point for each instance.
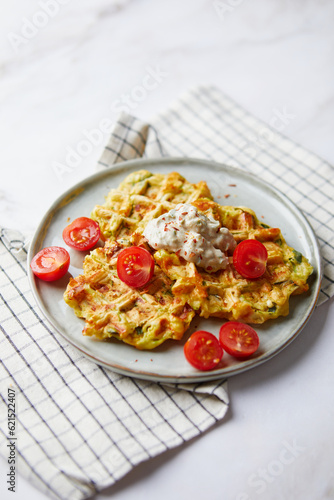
(298, 256)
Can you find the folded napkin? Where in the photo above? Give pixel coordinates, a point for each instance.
(79, 427)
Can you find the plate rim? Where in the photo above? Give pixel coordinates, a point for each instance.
(67, 195)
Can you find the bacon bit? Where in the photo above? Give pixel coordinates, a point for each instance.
(163, 218)
(136, 360)
(185, 253)
(184, 213)
(176, 229)
(192, 254)
(232, 185)
(209, 268)
(185, 311)
(227, 195)
(155, 244)
(201, 257)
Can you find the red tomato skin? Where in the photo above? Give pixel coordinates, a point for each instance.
(135, 266)
(82, 234)
(57, 257)
(238, 339)
(250, 259)
(203, 350)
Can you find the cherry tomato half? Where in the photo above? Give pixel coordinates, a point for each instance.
(135, 266)
(250, 258)
(82, 234)
(238, 339)
(50, 263)
(203, 350)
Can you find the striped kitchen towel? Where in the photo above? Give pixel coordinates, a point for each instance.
(78, 428)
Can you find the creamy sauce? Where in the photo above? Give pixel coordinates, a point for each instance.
(192, 235)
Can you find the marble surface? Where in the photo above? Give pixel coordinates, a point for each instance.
(66, 65)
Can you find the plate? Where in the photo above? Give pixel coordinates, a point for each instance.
(167, 363)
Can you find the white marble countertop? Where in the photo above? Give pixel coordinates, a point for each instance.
(65, 70)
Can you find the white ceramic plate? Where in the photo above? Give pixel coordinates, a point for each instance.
(166, 363)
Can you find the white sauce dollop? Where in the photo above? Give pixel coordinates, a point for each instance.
(194, 236)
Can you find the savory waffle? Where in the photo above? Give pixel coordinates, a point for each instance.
(165, 307)
(143, 317)
(226, 294)
(143, 196)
